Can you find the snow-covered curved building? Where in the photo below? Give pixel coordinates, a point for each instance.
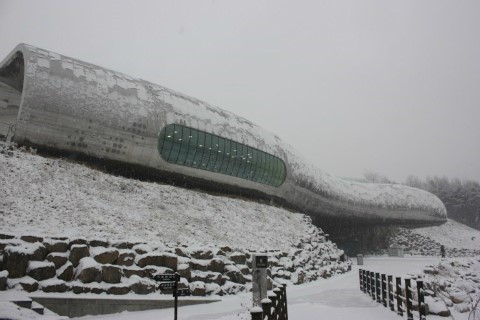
(53, 101)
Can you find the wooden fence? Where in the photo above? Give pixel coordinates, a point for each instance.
(383, 289)
(273, 308)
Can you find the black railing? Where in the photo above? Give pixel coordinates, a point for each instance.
(381, 288)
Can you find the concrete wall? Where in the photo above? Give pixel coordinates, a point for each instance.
(77, 307)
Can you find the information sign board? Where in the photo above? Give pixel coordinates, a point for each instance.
(261, 261)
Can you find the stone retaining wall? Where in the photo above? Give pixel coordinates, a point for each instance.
(95, 266)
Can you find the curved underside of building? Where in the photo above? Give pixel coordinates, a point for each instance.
(60, 103)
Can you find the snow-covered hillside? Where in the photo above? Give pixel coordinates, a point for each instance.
(459, 240)
(55, 197)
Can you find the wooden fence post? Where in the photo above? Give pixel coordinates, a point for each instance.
(273, 297)
(399, 295)
(390, 293)
(285, 301)
(378, 286)
(364, 281)
(384, 290)
(372, 284)
(360, 275)
(368, 283)
(256, 313)
(267, 308)
(408, 299)
(421, 300)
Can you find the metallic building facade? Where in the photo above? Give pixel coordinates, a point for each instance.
(57, 102)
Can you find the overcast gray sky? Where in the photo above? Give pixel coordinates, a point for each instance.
(386, 86)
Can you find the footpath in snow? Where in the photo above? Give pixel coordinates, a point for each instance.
(334, 298)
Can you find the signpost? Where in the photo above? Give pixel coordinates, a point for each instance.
(259, 278)
(170, 282)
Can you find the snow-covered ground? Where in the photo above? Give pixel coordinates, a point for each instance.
(337, 298)
(55, 197)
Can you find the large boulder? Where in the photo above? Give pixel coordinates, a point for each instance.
(31, 239)
(40, 270)
(88, 270)
(58, 258)
(437, 307)
(185, 271)
(65, 272)
(208, 277)
(216, 265)
(53, 286)
(459, 296)
(98, 243)
(132, 271)
(161, 259)
(243, 269)
(124, 245)
(125, 258)
(104, 255)
(16, 258)
(142, 286)
(201, 265)
(238, 258)
(26, 283)
(142, 248)
(197, 288)
(112, 274)
(77, 253)
(53, 245)
(77, 242)
(119, 289)
(201, 254)
(213, 288)
(235, 274)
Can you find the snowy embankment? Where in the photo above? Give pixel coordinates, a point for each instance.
(459, 240)
(65, 227)
(55, 197)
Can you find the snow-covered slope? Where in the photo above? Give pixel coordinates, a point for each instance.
(55, 197)
(453, 234)
(459, 240)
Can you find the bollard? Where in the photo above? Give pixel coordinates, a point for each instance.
(399, 295)
(390, 293)
(421, 300)
(384, 290)
(408, 299)
(377, 286)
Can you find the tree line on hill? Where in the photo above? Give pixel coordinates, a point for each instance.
(460, 197)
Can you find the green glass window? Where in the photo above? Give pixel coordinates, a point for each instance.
(194, 148)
